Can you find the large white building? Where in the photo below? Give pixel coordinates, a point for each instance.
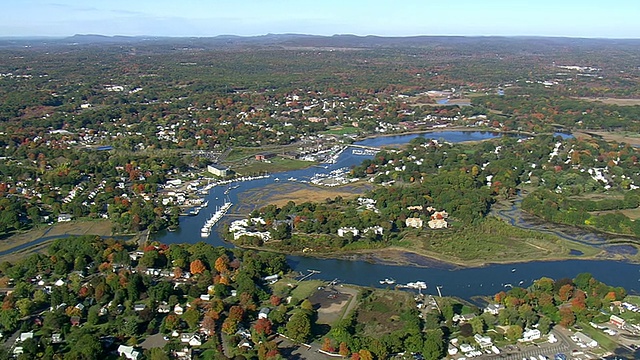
(218, 170)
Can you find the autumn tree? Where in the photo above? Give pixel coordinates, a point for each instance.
(343, 349)
(327, 346)
(565, 292)
(567, 317)
(262, 327)
(197, 267)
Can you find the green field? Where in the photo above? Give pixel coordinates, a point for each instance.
(276, 164)
(489, 242)
(342, 130)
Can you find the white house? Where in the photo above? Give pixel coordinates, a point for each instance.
(64, 218)
(581, 338)
(178, 310)
(25, 336)
(377, 230)
(465, 348)
(530, 335)
(452, 350)
(264, 313)
(483, 341)
(413, 222)
(345, 230)
(129, 352)
(494, 309)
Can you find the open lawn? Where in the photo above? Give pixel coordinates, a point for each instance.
(633, 214)
(613, 101)
(342, 130)
(618, 136)
(380, 311)
(491, 241)
(282, 192)
(276, 164)
(603, 339)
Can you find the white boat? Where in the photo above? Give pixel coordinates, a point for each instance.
(387, 281)
(417, 285)
(215, 217)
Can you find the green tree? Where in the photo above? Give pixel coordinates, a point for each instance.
(299, 327)
(433, 347)
(514, 332)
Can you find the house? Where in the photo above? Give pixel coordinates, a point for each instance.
(164, 308)
(195, 340)
(414, 222)
(178, 310)
(205, 297)
(25, 336)
(184, 354)
(64, 218)
(483, 341)
(463, 317)
(617, 321)
(75, 321)
(191, 338)
(264, 313)
(530, 335)
(452, 350)
(581, 338)
(493, 309)
(465, 348)
(377, 230)
(80, 306)
(437, 224)
(218, 170)
(265, 156)
(129, 352)
(345, 230)
(56, 338)
(59, 282)
(139, 307)
(438, 220)
(271, 279)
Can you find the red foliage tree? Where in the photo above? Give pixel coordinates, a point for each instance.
(263, 327)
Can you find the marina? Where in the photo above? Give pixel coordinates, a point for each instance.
(215, 217)
(449, 279)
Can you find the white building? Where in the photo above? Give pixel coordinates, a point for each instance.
(483, 341)
(414, 222)
(530, 335)
(129, 352)
(345, 230)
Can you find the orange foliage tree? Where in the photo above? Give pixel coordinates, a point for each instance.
(197, 267)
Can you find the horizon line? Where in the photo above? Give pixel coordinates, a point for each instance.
(59, 37)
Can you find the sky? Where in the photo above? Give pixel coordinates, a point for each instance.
(202, 18)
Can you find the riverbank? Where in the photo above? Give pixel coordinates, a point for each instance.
(401, 256)
(20, 245)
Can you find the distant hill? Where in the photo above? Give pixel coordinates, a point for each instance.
(311, 41)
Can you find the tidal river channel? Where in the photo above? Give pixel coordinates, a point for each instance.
(453, 281)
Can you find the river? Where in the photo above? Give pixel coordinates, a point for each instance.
(464, 283)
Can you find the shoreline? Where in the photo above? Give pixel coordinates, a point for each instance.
(398, 256)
